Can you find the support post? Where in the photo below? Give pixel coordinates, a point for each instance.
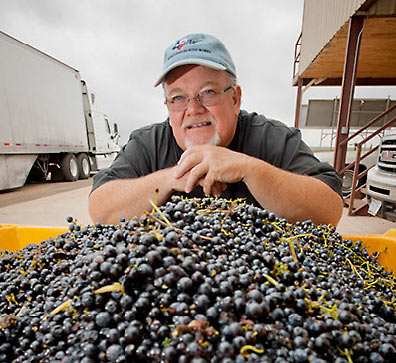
(298, 103)
(347, 90)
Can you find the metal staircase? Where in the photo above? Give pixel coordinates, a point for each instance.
(356, 201)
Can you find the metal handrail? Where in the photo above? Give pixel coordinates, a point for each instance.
(356, 175)
(351, 165)
(372, 122)
(296, 54)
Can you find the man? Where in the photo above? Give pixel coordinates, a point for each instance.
(208, 146)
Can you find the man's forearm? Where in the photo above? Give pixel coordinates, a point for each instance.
(292, 196)
(129, 197)
(289, 195)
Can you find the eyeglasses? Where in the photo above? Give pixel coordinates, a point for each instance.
(206, 98)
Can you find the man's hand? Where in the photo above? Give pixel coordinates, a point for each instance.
(210, 166)
(217, 187)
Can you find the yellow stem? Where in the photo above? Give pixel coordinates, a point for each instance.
(65, 305)
(271, 279)
(117, 287)
(245, 348)
(160, 213)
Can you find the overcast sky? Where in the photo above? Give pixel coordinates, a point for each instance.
(118, 46)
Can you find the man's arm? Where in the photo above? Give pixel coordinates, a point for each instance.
(289, 195)
(292, 196)
(131, 197)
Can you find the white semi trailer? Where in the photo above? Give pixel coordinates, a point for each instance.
(49, 128)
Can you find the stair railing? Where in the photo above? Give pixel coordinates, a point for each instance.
(297, 53)
(356, 175)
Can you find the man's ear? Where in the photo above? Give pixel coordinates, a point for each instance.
(237, 96)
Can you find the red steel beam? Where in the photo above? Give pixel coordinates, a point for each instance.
(298, 103)
(347, 90)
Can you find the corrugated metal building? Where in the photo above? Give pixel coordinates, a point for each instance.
(346, 43)
(324, 39)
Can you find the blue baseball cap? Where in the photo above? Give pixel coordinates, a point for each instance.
(201, 49)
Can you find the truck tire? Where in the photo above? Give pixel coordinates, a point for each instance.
(348, 180)
(84, 167)
(70, 167)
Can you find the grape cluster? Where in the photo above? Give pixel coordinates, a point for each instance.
(197, 280)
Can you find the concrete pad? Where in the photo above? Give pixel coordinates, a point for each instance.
(50, 211)
(363, 224)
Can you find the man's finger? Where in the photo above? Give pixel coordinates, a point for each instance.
(209, 186)
(223, 186)
(217, 189)
(186, 164)
(196, 173)
(189, 151)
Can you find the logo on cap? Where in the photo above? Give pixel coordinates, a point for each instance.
(181, 43)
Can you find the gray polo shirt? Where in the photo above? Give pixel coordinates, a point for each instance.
(153, 148)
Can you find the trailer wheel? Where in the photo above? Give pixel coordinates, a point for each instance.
(70, 167)
(84, 167)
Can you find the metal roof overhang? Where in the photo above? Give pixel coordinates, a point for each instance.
(376, 62)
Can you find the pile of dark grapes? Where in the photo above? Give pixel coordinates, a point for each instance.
(200, 280)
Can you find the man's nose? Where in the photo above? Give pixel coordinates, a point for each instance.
(194, 106)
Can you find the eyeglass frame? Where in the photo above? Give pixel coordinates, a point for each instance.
(196, 97)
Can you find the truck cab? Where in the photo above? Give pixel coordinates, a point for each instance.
(102, 141)
(106, 141)
(381, 180)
